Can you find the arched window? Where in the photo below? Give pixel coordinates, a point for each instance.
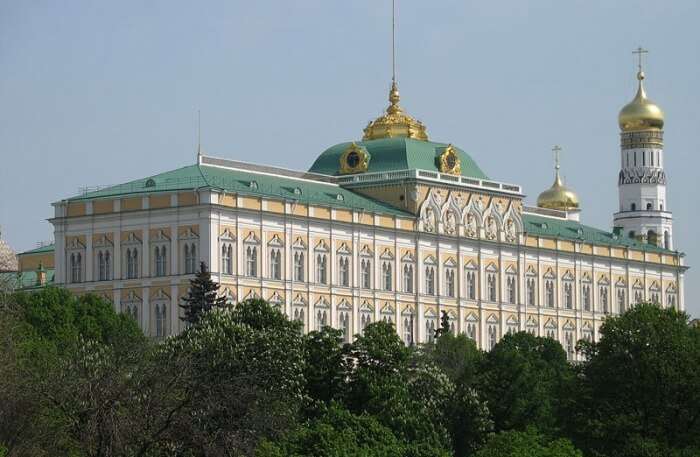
(321, 319)
(365, 319)
(227, 259)
(531, 291)
(344, 321)
(667, 240)
(386, 275)
(603, 296)
(586, 295)
(299, 266)
(649, 206)
(621, 299)
(493, 335)
(449, 282)
(251, 256)
(633, 207)
(160, 260)
(275, 264)
(76, 264)
(344, 271)
(321, 268)
(132, 267)
(569, 339)
(161, 313)
(430, 329)
(511, 285)
(471, 285)
(568, 295)
(430, 280)
(299, 317)
(366, 273)
(471, 330)
(190, 258)
(101, 266)
(549, 292)
(492, 288)
(408, 278)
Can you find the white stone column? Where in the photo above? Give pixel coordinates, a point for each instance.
(117, 257)
(89, 270)
(174, 267)
(146, 256)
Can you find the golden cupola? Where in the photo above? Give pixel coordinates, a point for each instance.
(558, 196)
(641, 113)
(395, 123)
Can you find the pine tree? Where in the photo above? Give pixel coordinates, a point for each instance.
(444, 325)
(202, 296)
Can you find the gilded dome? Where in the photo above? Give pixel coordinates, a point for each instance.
(641, 113)
(395, 123)
(558, 197)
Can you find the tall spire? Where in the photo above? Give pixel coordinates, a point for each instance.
(396, 122)
(199, 137)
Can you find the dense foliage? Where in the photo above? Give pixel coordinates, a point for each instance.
(78, 379)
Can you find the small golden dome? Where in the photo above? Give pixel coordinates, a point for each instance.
(395, 123)
(641, 113)
(558, 196)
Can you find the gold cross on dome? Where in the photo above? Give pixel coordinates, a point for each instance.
(640, 51)
(556, 149)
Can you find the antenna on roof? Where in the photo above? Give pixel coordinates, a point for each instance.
(393, 41)
(199, 137)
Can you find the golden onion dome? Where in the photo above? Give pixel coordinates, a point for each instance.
(395, 123)
(558, 197)
(641, 113)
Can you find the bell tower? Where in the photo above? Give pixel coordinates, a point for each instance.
(643, 212)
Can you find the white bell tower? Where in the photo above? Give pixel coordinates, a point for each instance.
(643, 211)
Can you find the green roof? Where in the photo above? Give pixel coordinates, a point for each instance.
(25, 279)
(247, 182)
(40, 250)
(390, 154)
(575, 231)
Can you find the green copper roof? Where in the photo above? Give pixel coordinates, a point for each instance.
(389, 154)
(25, 279)
(575, 231)
(247, 182)
(40, 250)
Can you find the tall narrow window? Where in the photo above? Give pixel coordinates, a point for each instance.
(603, 298)
(471, 285)
(621, 299)
(108, 266)
(386, 276)
(568, 295)
(251, 256)
(569, 340)
(321, 319)
(366, 273)
(76, 264)
(161, 311)
(408, 330)
(344, 321)
(531, 291)
(549, 292)
(586, 296)
(275, 264)
(471, 330)
(449, 282)
(430, 329)
(493, 335)
(299, 266)
(511, 284)
(344, 271)
(408, 278)
(190, 258)
(492, 286)
(132, 265)
(321, 268)
(430, 280)
(227, 259)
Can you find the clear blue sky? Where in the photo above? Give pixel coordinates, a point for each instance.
(96, 93)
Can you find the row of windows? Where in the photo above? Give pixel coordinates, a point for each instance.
(132, 264)
(637, 158)
(160, 314)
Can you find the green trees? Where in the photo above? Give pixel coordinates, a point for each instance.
(523, 379)
(78, 379)
(639, 391)
(202, 296)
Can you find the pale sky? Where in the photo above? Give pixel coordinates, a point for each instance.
(97, 93)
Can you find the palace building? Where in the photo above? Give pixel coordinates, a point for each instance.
(393, 227)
